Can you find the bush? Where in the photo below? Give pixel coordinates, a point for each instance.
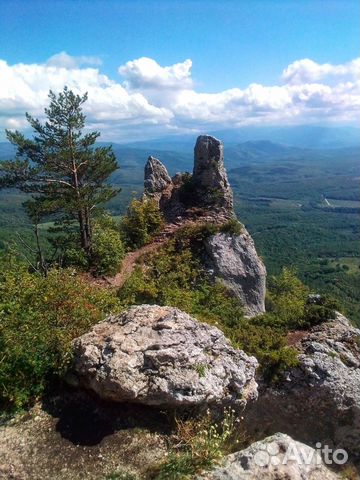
(39, 318)
(268, 345)
(232, 227)
(286, 300)
(141, 223)
(107, 247)
(176, 278)
(321, 311)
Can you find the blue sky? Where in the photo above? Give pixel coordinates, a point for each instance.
(231, 44)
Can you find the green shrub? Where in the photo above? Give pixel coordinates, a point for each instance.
(39, 317)
(107, 247)
(176, 278)
(286, 299)
(321, 311)
(232, 226)
(267, 343)
(187, 189)
(141, 223)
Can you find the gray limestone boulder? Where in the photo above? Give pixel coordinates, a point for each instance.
(161, 356)
(319, 400)
(233, 259)
(274, 458)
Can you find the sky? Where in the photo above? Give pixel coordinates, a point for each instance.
(158, 67)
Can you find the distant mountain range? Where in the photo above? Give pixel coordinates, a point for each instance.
(303, 136)
(248, 145)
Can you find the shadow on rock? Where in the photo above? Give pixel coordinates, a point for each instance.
(85, 420)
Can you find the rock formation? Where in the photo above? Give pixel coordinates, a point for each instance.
(206, 196)
(209, 175)
(161, 356)
(274, 458)
(233, 259)
(207, 189)
(156, 177)
(318, 400)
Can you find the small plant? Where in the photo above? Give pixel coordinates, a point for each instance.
(200, 443)
(200, 368)
(349, 472)
(186, 191)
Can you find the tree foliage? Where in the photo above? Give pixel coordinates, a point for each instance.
(39, 317)
(142, 221)
(60, 166)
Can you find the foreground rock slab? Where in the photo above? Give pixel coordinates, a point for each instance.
(274, 458)
(319, 400)
(161, 356)
(234, 261)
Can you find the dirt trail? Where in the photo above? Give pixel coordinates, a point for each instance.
(131, 258)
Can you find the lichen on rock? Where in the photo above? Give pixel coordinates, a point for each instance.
(161, 356)
(319, 400)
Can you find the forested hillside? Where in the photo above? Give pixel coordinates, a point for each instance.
(301, 205)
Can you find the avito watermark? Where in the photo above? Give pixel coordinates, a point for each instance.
(294, 452)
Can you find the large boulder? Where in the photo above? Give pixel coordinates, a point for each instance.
(211, 184)
(274, 458)
(233, 259)
(161, 356)
(319, 400)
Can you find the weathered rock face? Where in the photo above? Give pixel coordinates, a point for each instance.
(274, 458)
(156, 178)
(234, 260)
(209, 174)
(318, 401)
(161, 356)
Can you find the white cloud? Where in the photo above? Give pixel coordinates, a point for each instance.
(152, 99)
(145, 73)
(308, 71)
(62, 59)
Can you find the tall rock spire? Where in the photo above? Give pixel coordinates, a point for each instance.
(209, 174)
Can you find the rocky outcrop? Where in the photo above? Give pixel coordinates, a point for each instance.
(233, 259)
(319, 400)
(206, 191)
(161, 356)
(156, 177)
(206, 197)
(274, 458)
(210, 180)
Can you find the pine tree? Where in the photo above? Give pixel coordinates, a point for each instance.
(60, 166)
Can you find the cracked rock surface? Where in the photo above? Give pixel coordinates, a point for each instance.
(319, 400)
(234, 260)
(161, 356)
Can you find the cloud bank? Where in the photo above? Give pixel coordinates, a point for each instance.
(152, 100)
